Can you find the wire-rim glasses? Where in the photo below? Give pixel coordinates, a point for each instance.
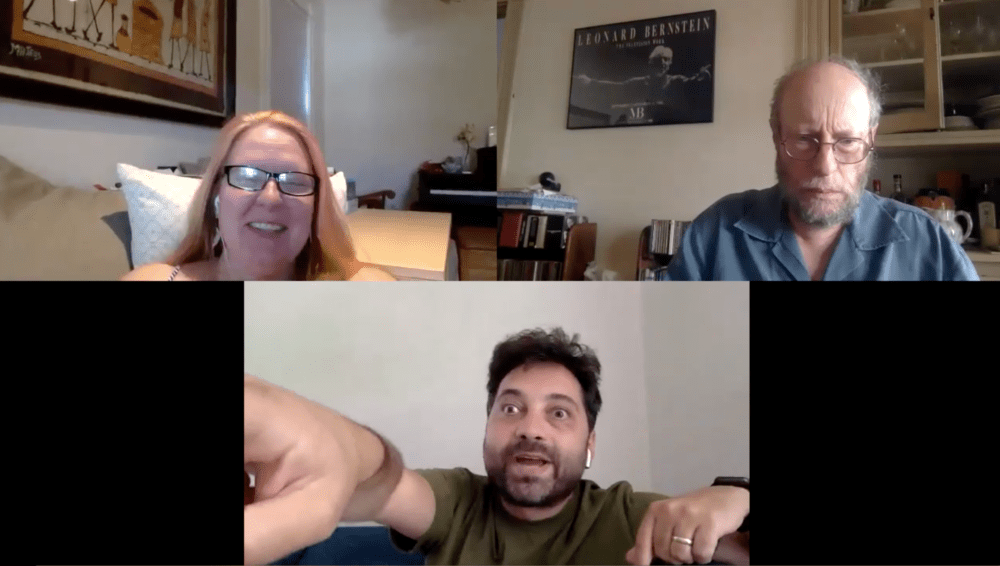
(847, 151)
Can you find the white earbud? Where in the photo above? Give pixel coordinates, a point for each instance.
(216, 206)
(588, 458)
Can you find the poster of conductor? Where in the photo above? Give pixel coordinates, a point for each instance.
(173, 55)
(644, 73)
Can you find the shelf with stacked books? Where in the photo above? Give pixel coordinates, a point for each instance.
(544, 246)
(658, 243)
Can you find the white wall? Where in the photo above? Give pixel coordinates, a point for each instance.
(290, 64)
(79, 148)
(625, 177)
(414, 366)
(401, 79)
(317, 54)
(697, 350)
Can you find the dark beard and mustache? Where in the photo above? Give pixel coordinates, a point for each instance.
(842, 215)
(564, 482)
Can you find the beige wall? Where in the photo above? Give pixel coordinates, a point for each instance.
(78, 148)
(625, 177)
(697, 349)
(401, 78)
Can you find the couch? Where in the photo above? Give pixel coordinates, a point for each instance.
(363, 546)
(354, 545)
(54, 233)
(59, 233)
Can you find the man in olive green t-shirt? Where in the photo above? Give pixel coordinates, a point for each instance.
(532, 507)
(472, 526)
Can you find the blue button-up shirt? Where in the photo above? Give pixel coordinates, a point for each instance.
(747, 237)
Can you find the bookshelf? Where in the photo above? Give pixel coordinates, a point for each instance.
(551, 262)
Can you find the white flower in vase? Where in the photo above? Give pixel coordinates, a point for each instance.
(467, 136)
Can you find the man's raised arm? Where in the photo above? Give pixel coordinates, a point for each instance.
(394, 496)
(315, 468)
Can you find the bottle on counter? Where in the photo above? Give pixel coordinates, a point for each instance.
(986, 207)
(897, 191)
(877, 188)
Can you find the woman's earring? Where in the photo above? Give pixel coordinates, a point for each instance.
(588, 458)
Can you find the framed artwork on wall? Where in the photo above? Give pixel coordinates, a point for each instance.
(644, 73)
(166, 59)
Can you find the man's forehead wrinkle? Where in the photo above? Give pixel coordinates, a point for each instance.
(808, 106)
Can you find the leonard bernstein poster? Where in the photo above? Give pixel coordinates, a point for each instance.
(644, 73)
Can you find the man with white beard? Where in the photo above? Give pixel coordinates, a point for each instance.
(819, 222)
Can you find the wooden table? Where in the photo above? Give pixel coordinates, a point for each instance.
(410, 245)
(987, 263)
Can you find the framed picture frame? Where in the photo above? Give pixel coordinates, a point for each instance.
(166, 59)
(644, 73)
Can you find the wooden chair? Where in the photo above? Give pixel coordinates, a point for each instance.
(376, 200)
(581, 247)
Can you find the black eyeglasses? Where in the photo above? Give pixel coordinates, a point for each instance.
(252, 179)
(847, 151)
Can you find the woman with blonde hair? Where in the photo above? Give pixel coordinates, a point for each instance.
(265, 210)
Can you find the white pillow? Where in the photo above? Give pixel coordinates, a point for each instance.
(340, 190)
(158, 204)
(157, 211)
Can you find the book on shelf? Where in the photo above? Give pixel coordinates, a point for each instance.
(555, 228)
(540, 232)
(665, 236)
(510, 228)
(654, 234)
(522, 229)
(659, 234)
(532, 232)
(530, 270)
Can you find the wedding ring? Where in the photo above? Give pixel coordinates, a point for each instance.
(683, 540)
